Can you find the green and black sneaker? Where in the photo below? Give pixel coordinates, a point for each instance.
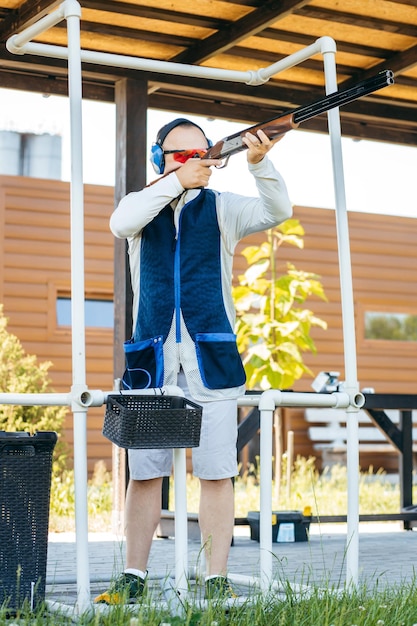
(127, 589)
(218, 588)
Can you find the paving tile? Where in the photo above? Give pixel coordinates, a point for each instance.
(385, 558)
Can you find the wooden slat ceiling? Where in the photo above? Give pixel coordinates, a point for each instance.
(370, 35)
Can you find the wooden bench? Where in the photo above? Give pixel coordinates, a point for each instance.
(328, 432)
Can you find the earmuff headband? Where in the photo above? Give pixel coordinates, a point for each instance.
(157, 157)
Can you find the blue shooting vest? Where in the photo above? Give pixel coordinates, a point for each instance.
(183, 273)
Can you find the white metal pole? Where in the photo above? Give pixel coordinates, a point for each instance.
(250, 77)
(265, 73)
(16, 43)
(351, 383)
(181, 522)
(97, 397)
(73, 14)
(265, 509)
(36, 399)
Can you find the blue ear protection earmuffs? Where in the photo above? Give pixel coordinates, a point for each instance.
(157, 157)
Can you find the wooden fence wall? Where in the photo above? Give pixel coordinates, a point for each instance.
(384, 269)
(35, 269)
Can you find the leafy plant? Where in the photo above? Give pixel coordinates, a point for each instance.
(273, 328)
(324, 492)
(99, 497)
(21, 373)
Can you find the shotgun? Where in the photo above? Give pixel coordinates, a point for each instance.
(278, 126)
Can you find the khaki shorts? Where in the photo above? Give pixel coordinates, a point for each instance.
(215, 457)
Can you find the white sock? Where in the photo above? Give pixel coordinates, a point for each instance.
(215, 576)
(135, 572)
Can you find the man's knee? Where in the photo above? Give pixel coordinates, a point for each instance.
(145, 490)
(216, 484)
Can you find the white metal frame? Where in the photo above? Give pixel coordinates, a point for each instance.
(80, 397)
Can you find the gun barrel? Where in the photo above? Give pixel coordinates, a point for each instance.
(340, 98)
(291, 119)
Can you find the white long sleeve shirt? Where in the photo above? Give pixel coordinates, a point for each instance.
(238, 216)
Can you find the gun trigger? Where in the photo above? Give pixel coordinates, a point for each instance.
(220, 167)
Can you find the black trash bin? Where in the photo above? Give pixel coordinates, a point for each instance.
(25, 485)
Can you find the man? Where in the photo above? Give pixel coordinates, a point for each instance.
(182, 237)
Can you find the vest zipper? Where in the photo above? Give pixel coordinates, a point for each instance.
(177, 282)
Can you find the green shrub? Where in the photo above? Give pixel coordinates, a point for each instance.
(99, 498)
(21, 373)
(325, 493)
(273, 328)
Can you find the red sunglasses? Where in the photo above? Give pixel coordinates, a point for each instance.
(183, 155)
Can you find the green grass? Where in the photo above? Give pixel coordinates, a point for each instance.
(99, 492)
(396, 606)
(324, 492)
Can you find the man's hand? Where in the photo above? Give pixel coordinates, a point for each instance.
(258, 145)
(195, 173)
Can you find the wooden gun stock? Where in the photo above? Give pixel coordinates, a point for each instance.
(278, 126)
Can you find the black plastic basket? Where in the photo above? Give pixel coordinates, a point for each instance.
(135, 421)
(25, 485)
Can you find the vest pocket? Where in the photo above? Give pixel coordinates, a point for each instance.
(219, 361)
(144, 364)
